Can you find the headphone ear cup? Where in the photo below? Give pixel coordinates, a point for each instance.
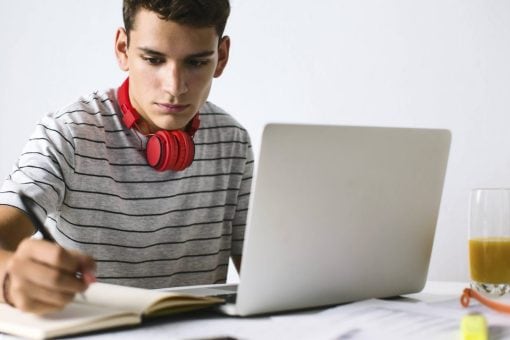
(186, 150)
(162, 151)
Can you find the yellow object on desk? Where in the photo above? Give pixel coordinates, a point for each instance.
(474, 327)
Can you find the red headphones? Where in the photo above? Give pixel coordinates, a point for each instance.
(166, 149)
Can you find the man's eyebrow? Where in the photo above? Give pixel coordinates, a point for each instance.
(151, 51)
(159, 54)
(201, 54)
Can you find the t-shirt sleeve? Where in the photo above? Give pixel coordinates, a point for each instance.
(41, 170)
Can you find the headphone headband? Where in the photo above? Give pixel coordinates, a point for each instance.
(129, 115)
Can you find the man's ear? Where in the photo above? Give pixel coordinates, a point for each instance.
(121, 47)
(223, 52)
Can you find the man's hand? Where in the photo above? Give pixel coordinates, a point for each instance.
(44, 277)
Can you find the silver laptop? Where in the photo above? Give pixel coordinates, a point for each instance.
(338, 214)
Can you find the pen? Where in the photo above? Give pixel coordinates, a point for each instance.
(42, 229)
(35, 220)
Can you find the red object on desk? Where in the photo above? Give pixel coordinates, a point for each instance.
(469, 293)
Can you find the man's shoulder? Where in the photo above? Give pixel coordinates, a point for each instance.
(97, 106)
(96, 110)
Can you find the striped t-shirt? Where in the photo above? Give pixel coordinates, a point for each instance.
(88, 178)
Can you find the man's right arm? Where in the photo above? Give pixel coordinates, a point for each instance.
(14, 227)
(40, 276)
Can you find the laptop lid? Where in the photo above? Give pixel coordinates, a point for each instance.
(340, 213)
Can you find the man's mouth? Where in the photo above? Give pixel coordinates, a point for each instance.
(172, 108)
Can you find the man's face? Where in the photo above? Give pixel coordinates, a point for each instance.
(171, 67)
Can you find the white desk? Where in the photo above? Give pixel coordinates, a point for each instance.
(316, 324)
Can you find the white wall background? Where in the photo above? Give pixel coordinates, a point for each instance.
(426, 63)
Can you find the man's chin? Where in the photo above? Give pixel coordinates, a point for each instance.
(172, 122)
(171, 126)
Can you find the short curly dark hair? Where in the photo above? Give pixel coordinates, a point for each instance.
(196, 13)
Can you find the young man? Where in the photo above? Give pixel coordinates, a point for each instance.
(144, 185)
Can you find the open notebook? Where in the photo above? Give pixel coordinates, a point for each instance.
(106, 306)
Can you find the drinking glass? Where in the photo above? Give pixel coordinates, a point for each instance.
(489, 241)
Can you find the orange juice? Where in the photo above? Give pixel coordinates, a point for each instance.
(489, 259)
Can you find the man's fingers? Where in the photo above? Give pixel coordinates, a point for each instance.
(50, 254)
(87, 267)
(89, 277)
(28, 296)
(43, 275)
(54, 256)
(37, 307)
(85, 262)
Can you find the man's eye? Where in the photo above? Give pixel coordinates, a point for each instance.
(153, 60)
(197, 62)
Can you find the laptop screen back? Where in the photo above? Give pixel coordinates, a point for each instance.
(340, 213)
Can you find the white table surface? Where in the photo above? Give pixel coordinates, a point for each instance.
(213, 326)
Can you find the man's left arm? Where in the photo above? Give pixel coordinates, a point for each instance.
(239, 222)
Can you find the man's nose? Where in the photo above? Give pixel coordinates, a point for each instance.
(175, 81)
